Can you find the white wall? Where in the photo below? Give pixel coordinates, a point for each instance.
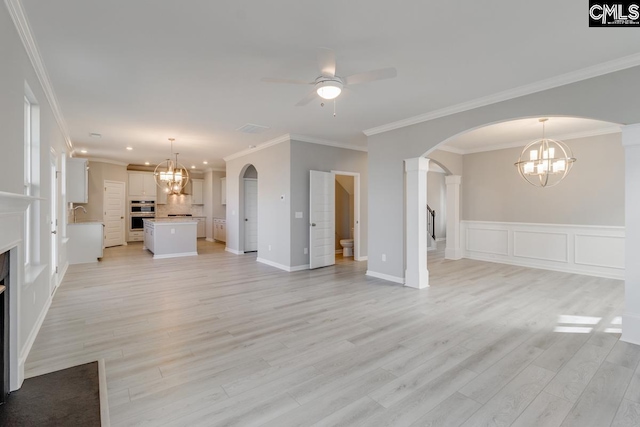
(306, 157)
(591, 194)
(15, 72)
(274, 184)
(604, 98)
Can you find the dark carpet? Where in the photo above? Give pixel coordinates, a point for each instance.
(70, 397)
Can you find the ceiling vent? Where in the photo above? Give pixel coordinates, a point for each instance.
(251, 128)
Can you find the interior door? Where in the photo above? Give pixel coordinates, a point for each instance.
(114, 204)
(53, 283)
(250, 215)
(322, 219)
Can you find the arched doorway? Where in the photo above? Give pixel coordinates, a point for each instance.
(248, 209)
(509, 242)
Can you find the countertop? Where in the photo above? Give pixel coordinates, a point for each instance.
(172, 220)
(89, 222)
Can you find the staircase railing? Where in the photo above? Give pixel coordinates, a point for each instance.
(431, 222)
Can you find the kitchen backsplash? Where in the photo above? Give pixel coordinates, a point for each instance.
(179, 205)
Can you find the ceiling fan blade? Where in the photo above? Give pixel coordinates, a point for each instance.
(370, 76)
(327, 62)
(287, 81)
(307, 99)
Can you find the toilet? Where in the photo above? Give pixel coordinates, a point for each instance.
(347, 246)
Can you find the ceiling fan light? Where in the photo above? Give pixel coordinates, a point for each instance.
(328, 89)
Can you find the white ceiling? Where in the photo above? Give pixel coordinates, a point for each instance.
(517, 133)
(139, 72)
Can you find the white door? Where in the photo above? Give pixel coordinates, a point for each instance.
(322, 225)
(53, 283)
(113, 213)
(250, 215)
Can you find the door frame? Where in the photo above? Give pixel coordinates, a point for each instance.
(356, 213)
(244, 214)
(124, 208)
(54, 238)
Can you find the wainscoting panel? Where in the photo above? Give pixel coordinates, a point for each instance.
(581, 249)
(540, 245)
(488, 241)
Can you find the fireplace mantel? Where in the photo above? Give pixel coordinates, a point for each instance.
(13, 202)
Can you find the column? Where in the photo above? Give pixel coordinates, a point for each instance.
(453, 250)
(416, 274)
(631, 316)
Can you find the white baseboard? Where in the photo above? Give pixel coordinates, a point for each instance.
(578, 249)
(209, 239)
(233, 251)
(24, 353)
(282, 266)
(630, 328)
(338, 251)
(387, 277)
(65, 267)
(175, 255)
(441, 239)
(105, 420)
(362, 258)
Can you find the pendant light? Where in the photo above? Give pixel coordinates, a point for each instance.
(545, 162)
(170, 175)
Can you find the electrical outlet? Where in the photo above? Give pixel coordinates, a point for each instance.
(173, 231)
(298, 214)
(306, 251)
(384, 257)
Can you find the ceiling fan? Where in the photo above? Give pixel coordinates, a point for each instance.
(328, 85)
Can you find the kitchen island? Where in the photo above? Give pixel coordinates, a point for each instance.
(170, 238)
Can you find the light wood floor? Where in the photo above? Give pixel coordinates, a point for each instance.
(221, 340)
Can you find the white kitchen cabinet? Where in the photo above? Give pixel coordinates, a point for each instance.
(202, 226)
(223, 191)
(142, 184)
(197, 194)
(86, 242)
(220, 230)
(77, 181)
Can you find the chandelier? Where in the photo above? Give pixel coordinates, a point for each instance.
(545, 162)
(170, 175)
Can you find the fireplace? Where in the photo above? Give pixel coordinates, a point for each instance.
(4, 326)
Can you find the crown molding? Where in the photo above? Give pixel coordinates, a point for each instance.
(270, 143)
(564, 137)
(311, 140)
(24, 30)
(550, 83)
(448, 149)
(295, 137)
(100, 160)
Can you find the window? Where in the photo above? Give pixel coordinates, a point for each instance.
(31, 177)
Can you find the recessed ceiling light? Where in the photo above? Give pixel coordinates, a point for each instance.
(193, 166)
(83, 151)
(147, 163)
(95, 135)
(129, 148)
(205, 162)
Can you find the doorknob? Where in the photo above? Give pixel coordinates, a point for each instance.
(246, 219)
(313, 224)
(121, 217)
(54, 232)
